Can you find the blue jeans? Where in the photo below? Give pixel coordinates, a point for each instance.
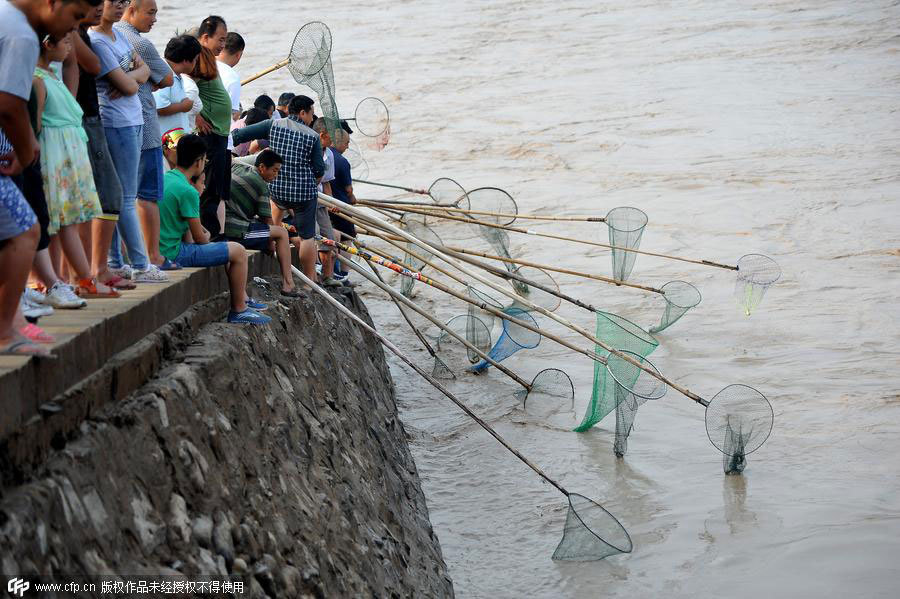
(202, 254)
(125, 149)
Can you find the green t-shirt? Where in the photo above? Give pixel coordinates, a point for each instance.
(179, 203)
(216, 105)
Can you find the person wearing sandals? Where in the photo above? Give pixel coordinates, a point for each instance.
(68, 180)
(179, 213)
(249, 201)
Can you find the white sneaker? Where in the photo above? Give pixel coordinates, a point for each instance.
(34, 296)
(151, 274)
(126, 272)
(63, 296)
(31, 310)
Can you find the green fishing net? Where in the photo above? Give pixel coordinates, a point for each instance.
(633, 386)
(452, 354)
(680, 297)
(590, 533)
(756, 273)
(618, 333)
(739, 419)
(626, 226)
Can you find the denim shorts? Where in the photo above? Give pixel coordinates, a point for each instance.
(150, 175)
(105, 178)
(202, 254)
(16, 216)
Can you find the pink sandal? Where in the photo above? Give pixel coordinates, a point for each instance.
(35, 333)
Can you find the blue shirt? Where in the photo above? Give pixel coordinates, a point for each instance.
(19, 50)
(126, 110)
(341, 179)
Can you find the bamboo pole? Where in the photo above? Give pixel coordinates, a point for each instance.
(274, 67)
(343, 207)
(391, 186)
(572, 239)
(437, 385)
(548, 217)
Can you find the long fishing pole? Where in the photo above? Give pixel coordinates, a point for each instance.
(434, 382)
(563, 238)
(547, 217)
(343, 207)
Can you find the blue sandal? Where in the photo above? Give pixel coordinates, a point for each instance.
(248, 316)
(169, 265)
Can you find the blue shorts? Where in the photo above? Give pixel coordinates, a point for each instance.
(304, 217)
(150, 175)
(201, 255)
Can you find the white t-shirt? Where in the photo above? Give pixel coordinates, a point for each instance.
(328, 177)
(193, 92)
(232, 82)
(166, 97)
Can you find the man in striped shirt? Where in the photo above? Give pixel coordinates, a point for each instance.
(248, 215)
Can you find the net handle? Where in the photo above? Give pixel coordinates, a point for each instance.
(589, 219)
(434, 382)
(397, 297)
(438, 214)
(346, 208)
(274, 67)
(390, 185)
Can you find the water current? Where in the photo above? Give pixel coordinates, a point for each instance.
(738, 127)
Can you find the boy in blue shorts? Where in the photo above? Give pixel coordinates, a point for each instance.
(179, 215)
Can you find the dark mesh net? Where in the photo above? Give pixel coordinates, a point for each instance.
(453, 354)
(424, 233)
(372, 117)
(485, 316)
(756, 273)
(533, 294)
(618, 333)
(448, 192)
(551, 395)
(493, 199)
(633, 386)
(680, 297)
(310, 51)
(739, 419)
(513, 339)
(591, 533)
(626, 226)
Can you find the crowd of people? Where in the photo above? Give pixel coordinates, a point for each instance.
(118, 165)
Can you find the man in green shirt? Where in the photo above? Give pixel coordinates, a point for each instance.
(179, 215)
(249, 201)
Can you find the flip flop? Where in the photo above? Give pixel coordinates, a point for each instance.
(117, 282)
(20, 346)
(37, 334)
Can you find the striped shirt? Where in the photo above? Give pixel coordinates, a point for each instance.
(249, 198)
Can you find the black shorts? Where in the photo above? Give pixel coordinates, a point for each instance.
(256, 237)
(218, 169)
(342, 225)
(32, 186)
(304, 217)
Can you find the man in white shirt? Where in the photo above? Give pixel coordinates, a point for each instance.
(228, 58)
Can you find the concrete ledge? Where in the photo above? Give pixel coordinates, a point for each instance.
(87, 339)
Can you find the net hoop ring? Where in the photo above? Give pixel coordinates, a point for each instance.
(485, 298)
(503, 220)
(445, 335)
(682, 285)
(325, 30)
(617, 321)
(375, 104)
(630, 211)
(571, 387)
(758, 269)
(764, 406)
(520, 314)
(658, 392)
(618, 525)
(456, 204)
(550, 283)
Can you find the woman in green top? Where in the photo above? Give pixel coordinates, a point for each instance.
(213, 124)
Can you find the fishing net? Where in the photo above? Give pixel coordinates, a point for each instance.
(372, 117)
(454, 355)
(626, 226)
(633, 387)
(551, 395)
(590, 533)
(514, 338)
(532, 293)
(310, 65)
(756, 273)
(493, 199)
(447, 192)
(739, 419)
(358, 164)
(680, 297)
(618, 333)
(485, 316)
(423, 233)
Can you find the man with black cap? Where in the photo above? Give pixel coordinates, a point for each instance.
(281, 109)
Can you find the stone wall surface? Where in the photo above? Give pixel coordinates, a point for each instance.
(273, 455)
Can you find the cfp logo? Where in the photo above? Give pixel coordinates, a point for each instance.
(17, 587)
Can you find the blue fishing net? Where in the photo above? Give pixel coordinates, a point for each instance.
(513, 339)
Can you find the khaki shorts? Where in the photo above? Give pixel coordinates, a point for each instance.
(323, 227)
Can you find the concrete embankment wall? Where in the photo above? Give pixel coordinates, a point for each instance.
(273, 455)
